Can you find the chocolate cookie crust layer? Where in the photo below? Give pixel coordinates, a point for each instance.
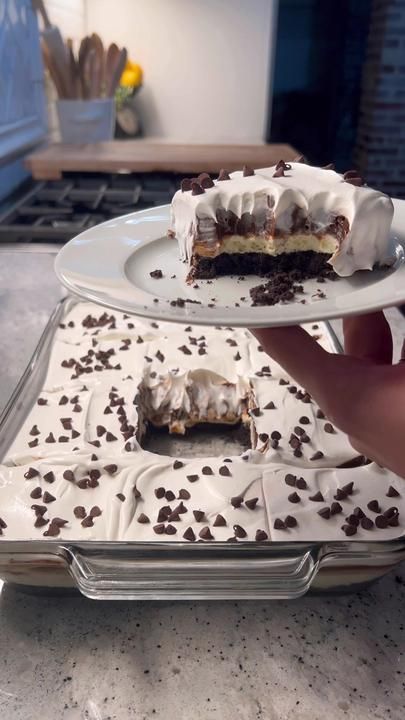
(308, 262)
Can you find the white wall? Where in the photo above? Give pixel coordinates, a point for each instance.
(206, 63)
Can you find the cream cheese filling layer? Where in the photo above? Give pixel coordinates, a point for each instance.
(238, 244)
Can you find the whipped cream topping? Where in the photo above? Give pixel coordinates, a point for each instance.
(76, 469)
(320, 195)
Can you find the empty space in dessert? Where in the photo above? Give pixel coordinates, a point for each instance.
(204, 440)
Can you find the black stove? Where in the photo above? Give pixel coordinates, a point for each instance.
(57, 210)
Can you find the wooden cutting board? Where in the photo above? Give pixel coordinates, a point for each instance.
(145, 156)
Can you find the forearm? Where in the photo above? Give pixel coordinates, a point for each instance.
(359, 397)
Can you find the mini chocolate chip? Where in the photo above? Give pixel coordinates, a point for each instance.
(318, 497)
(196, 189)
(47, 497)
(279, 524)
(77, 408)
(31, 473)
(391, 512)
(170, 530)
(318, 455)
(263, 437)
(64, 400)
(353, 520)
(42, 401)
(169, 495)
(189, 534)
(159, 529)
(34, 430)
(110, 437)
(358, 512)
(75, 434)
(205, 533)
(156, 274)
(328, 427)
(348, 488)
(261, 535)
(225, 471)
(39, 509)
(239, 531)
(184, 494)
(143, 519)
(290, 479)
(79, 512)
(87, 521)
(33, 443)
(207, 470)
(291, 521)
(94, 457)
(393, 521)
(366, 523)
(192, 478)
(50, 438)
(83, 484)
(36, 493)
(185, 350)
(294, 498)
(160, 492)
(206, 182)
(374, 506)
(219, 521)
(95, 511)
(111, 469)
(324, 513)
(335, 508)
(301, 484)
(381, 522)
(349, 530)
(248, 171)
(100, 430)
(69, 475)
(107, 410)
(340, 494)
(392, 492)
(236, 501)
(320, 414)
(53, 530)
(270, 406)
(223, 175)
(40, 521)
(177, 464)
(120, 496)
(256, 412)
(49, 477)
(185, 185)
(251, 503)
(199, 515)
(304, 420)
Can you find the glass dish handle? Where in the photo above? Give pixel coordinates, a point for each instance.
(210, 573)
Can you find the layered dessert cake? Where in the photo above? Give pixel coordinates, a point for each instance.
(288, 217)
(79, 468)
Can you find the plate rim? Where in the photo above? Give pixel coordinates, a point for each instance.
(221, 315)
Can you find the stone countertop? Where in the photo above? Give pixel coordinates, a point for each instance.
(68, 658)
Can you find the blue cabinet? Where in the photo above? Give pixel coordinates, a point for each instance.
(22, 100)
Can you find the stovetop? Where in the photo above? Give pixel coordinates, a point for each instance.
(56, 211)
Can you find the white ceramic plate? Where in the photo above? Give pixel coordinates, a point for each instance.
(111, 263)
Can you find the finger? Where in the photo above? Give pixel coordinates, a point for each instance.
(368, 337)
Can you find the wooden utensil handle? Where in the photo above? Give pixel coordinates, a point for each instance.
(40, 7)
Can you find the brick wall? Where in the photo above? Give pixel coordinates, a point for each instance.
(380, 146)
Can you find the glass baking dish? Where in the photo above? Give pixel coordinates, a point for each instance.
(176, 570)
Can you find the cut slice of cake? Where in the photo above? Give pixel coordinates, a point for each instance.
(287, 217)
